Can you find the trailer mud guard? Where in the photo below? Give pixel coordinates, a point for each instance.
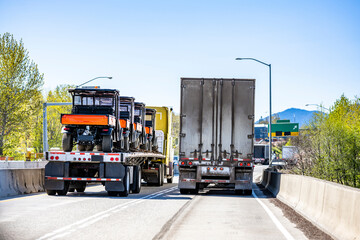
(115, 170)
(56, 169)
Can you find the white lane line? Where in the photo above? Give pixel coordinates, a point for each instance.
(98, 216)
(282, 229)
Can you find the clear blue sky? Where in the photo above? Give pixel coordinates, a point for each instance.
(146, 46)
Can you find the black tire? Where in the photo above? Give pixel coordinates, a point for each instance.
(81, 147)
(248, 192)
(89, 148)
(67, 142)
(194, 191)
(126, 181)
(160, 178)
(71, 189)
(107, 143)
(82, 187)
(65, 190)
(171, 179)
(50, 192)
(126, 144)
(136, 187)
(239, 192)
(99, 147)
(184, 191)
(112, 193)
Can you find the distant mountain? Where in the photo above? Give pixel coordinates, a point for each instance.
(296, 115)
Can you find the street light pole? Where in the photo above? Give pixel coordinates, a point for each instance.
(270, 104)
(92, 80)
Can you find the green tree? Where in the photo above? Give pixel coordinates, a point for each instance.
(330, 146)
(20, 91)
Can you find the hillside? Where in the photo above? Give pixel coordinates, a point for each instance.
(300, 116)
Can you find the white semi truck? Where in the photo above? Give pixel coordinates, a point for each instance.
(216, 134)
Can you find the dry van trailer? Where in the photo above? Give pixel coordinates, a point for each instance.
(216, 133)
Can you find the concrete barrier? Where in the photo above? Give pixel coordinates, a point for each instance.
(22, 164)
(334, 208)
(18, 177)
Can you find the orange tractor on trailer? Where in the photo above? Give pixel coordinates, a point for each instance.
(101, 118)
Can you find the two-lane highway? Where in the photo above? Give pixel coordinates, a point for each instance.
(155, 213)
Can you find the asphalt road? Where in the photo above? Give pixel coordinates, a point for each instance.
(155, 213)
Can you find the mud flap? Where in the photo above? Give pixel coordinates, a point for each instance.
(56, 169)
(187, 179)
(115, 170)
(243, 180)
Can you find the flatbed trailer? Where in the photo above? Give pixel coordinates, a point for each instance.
(119, 172)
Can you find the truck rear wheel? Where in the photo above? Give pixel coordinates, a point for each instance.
(107, 143)
(89, 147)
(99, 147)
(160, 176)
(125, 193)
(171, 179)
(137, 180)
(67, 142)
(184, 191)
(50, 192)
(65, 190)
(112, 193)
(82, 187)
(81, 147)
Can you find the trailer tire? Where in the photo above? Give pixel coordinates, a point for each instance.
(112, 193)
(125, 193)
(50, 192)
(67, 142)
(248, 192)
(184, 191)
(107, 143)
(171, 179)
(81, 147)
(137, 180)
(82, 188)
(99, 147)
(194, 191)
(89, 147)
(65, 190)
(160, 175)
(71, 189)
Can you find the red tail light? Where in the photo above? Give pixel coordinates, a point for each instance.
(248, 164)
(67, 129)
(183, 163)
(105, 130)
(241, 164)
(190, 163)
(112, 159)
(52, 157)
(57, 158)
